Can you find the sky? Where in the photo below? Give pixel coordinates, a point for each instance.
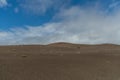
(49, 21)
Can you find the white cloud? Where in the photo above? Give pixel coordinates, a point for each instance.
(16, 10)
(76, 25)
(40, 6)
(114, 4)
(3, 3)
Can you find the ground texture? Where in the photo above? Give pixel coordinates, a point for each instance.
(60, 61)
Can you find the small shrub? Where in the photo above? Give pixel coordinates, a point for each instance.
(24, 56)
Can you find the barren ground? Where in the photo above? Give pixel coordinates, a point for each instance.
(60, 61)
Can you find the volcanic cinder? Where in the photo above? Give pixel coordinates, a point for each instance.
(60, 61)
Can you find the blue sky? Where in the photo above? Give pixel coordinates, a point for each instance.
(13, 14)
(47, 21)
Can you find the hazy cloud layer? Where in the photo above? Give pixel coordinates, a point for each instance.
(76, 25)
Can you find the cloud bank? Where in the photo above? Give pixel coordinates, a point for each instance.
(75, 24)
